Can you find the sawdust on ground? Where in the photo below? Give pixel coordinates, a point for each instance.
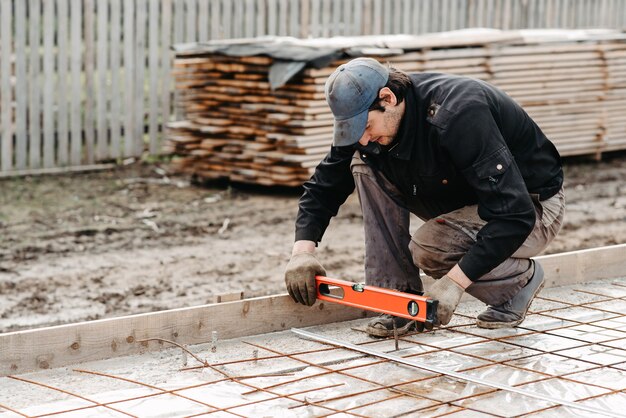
(137, 239)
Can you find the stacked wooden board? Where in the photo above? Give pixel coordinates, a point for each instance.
(615, 100)
(561, 86)
(235, 126)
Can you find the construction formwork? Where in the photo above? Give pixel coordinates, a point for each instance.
(569, 356)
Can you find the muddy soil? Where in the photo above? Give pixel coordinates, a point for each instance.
(137, 239)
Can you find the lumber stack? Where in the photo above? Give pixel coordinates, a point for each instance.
(615, 101)
(236, 126)
(561, 86)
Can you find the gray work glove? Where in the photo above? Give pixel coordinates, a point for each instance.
(448, 293)
(300, 277)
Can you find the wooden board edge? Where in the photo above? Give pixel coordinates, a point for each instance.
(584, 265)
(58, 346)
(62, 345)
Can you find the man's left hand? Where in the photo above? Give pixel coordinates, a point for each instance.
(449, 294)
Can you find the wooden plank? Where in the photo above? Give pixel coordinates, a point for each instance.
(227, 15)
(89, 12)
(584, 265)
(166, 63)
(613, 12)
(396, 16)
(463, 14)
(140, 71)
(249, 17)
(548, 48)
(272, 17)
(294, 18)
(179, 21)
(102, 64)
(453, 18)
(305, 18)
(153, 92)
(58, 346)
(567, 12)
(522, 60)
(215, 31)
(6, 90)
(21, 87)
(283, 17)
(377, 17)
(326, 18)
(549, 14)
(62, 98)
(76, 133)
(445, 12)
(315, 10)
(237, 20)
(549, 74)
(116, 110)
(366, 21)
(34, 105)
(417, 17)
(203, 19)
(336, 25)
(48, 87)
(190, 26)
(357, 18)
(506, 15)
(260, 13)
(129, 78)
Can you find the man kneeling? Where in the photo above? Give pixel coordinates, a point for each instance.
(462, 156)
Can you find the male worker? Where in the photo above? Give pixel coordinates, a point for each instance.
(462, 156)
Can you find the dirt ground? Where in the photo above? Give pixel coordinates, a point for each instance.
(137, 239)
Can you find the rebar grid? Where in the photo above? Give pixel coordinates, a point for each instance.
(401, 390)
(392, 387)
(96, 404)
(163, 392)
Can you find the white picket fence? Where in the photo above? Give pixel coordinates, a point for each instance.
(86, 81)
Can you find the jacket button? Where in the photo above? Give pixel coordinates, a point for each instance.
(499, 167)
(363, 156)
(444, 181)
(431, 112)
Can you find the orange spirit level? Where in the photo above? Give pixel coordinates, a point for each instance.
(377, 299)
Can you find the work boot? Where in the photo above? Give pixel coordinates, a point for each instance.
(512, 312)
(382, 326)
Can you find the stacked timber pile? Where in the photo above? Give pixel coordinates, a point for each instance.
(240, 123)
(236, 127)
(615, 100)
(560, 86)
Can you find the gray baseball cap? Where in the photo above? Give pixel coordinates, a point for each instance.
(350, 90)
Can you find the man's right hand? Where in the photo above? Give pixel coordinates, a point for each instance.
(300, 277)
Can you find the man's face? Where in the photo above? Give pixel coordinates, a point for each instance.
(382, 127)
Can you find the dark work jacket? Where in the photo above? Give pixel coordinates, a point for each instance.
(461, 142)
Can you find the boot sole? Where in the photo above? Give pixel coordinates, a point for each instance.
(382, 332)
(512, 324)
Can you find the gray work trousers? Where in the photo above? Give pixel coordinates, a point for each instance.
(393, 258)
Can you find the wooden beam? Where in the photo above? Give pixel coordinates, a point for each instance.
(25, 351)
(584, 265)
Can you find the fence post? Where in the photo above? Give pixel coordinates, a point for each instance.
(6, 163)
(21, 88)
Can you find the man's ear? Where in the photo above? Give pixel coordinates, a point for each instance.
(387, 96)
